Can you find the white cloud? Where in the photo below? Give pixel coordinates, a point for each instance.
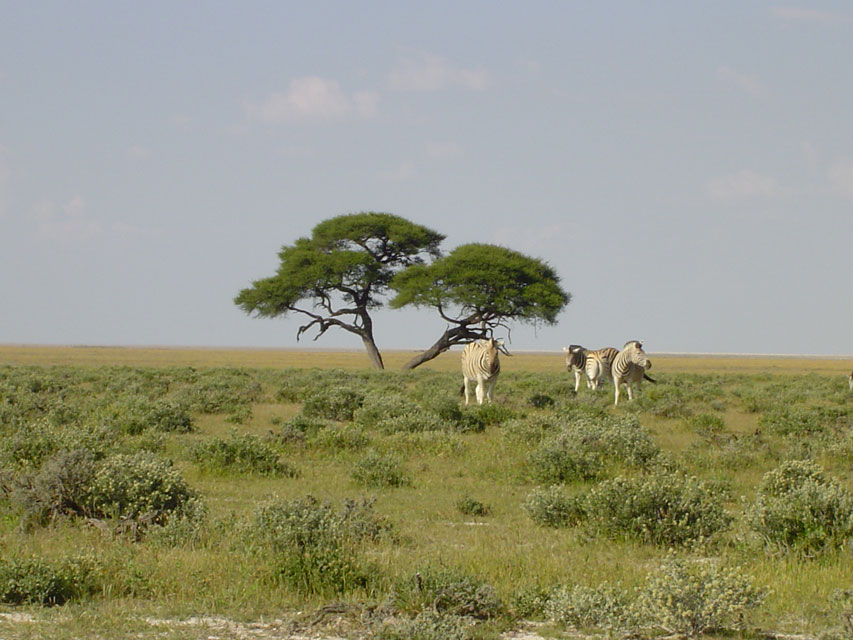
(798, 14)
(841, 177)
(428, 72)
(744, 82)
(66, 222)
(745, 184)
(312, 98)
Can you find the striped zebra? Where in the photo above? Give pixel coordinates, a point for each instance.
(629, 367)
(595, 364)
(480, 364)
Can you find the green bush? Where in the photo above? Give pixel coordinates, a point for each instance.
(427, 625)
(799, 507)
(240, 454)
(38, 581)
(376, 470)
(604, 607)
(447, 592)
(706, 424)
(663, 508)
(335, 403)
(61, 487)
(550, 507)
(469, 506)
(691, 598)
(377, 407)
(137, 486)
(798, 421)
(564, 458)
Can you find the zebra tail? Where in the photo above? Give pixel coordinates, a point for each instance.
(652, 380)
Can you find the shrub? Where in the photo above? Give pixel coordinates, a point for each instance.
(240, 453)
(706, 424)
(786, 420)
(663, 508)
(61, 487)
(540, 401)
(336, 403)
(37, 581)
(377, 471)
(142, 484)
(315, 546)
(471, 507)
(427, 625)
(691, 598)
(605, 607)
(564, 459)
(377, 408)
(448, 592)
(799, 507)
(550, 507)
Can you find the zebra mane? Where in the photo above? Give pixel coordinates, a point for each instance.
(636, 343)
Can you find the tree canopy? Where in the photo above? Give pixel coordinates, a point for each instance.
(339, 274)
(478, 288)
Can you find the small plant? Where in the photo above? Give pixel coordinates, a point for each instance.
(692, 598)
(604, 607)
(799, 507)
(133, 487)
(241, 454)
(38, 581)
(564, 458)
(706, 424)
(378, 471)
(663, 508)
(550, 507)
(448, 592)
(336, 403)
(427, 625)
(469, 506)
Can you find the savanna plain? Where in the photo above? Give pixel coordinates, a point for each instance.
(224, 493)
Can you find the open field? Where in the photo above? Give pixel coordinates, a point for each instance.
(394, 359)
(195, 493)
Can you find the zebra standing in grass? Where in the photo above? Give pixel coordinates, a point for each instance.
(629, 367)
(480, 364)
(595, 364)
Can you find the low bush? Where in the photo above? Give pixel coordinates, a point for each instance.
(39, 581)
(240, 454)
(447, 592)
(663, 508)
(427, 625)
(469, 506)
(797, 421)
(336, 403)
(376, 470)
(800, 507)
(603, 607)
(564, 458)
(691, 598)
(551, 507)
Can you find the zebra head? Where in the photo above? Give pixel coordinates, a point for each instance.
(574, 355)
(634, 348)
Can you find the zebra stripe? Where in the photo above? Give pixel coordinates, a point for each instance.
(480, 364)
(629, 367)
(595, 364)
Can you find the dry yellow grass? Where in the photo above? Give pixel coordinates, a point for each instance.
(356, 359)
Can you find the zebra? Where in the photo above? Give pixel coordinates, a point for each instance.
(480, 364)
(629, 367)
(595, 364)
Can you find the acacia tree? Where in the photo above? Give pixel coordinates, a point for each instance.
(478, 288)
(339, 275)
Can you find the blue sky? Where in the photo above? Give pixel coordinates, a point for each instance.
(687, 167)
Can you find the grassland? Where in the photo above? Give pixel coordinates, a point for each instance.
(724, 420)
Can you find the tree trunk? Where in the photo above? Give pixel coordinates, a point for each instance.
(456, 335)
(372, 351)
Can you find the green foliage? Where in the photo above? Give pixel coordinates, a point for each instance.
(427, 625)
(378, 471)
(799, 507)
(137, 485)
(551, 507)
(662, 508)
(240, 454)
(691, 598)
(38, 581)
(335, 403)
(469, 506)
(603, 607)
(564, 458)
(448, 592)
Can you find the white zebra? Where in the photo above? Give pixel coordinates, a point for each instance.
(481, 364)
(595, 364)
(629, 367)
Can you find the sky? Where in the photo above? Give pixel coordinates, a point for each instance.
(686, 167)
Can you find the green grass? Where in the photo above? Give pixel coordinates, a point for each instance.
(221, 573)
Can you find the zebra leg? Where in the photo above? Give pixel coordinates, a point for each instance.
(577, 373)
(630, 387)
(467, 384)
(481, 391)
(616, 391)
